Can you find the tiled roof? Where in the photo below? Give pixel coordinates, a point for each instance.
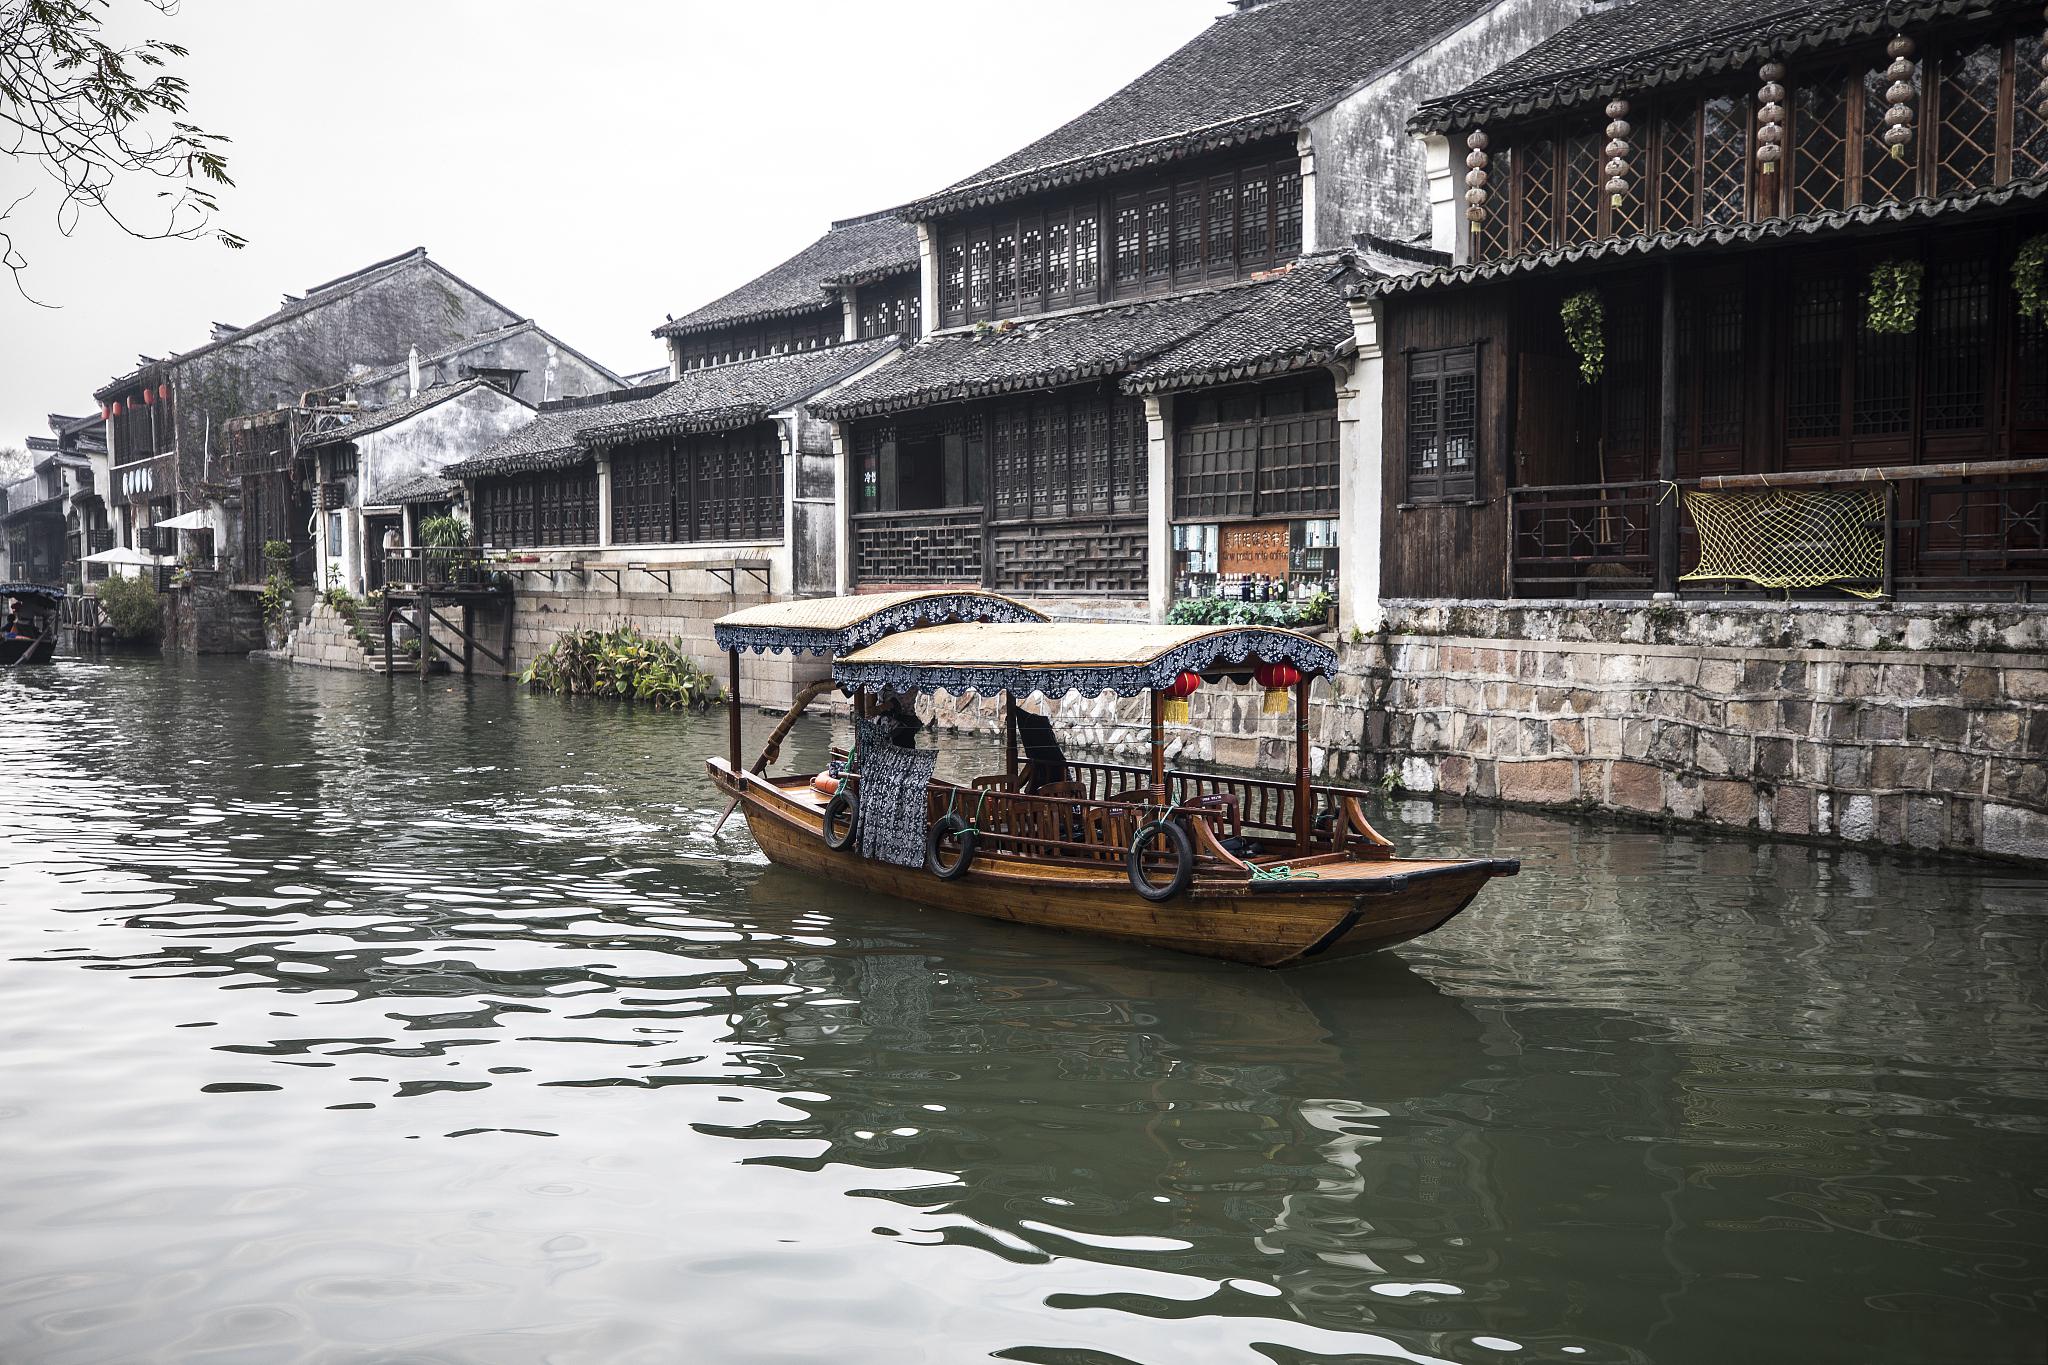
(1293, 324)
(432, 486)
(319, 296)
(1281, 322)
(1610, 250)
(1655, 42)
(721, 397)
(380, 418)
(475, 343)
(1251, 74)
(855, 250)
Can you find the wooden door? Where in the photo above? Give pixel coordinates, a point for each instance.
(1546, 400)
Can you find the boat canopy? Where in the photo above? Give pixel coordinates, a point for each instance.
(840, 625)
(1053, 659)
(43, 590)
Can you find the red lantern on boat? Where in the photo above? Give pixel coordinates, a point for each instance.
(1177, 693)
(1277, 679)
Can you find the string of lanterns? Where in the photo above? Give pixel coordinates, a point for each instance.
(1770, 117)
(1475, 176)
(1618, 151)
(1278, 680)
(150, 398)
(1898, 96)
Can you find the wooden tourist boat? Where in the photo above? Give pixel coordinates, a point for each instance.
(1246, 869)
(28, 628)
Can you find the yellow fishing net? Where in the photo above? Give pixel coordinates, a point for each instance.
(1792, 537)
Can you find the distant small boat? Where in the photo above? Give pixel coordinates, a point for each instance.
(28, 631)
(1246, 869)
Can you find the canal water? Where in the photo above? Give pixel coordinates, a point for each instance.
(356, 1021)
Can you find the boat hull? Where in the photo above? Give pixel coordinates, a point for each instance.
(40, 651)
(1347, 910)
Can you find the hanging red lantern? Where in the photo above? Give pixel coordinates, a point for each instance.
(115, 409)
(1177, 693)
(148, 397)
(104, 413)
(1277, 679)
(163, 393)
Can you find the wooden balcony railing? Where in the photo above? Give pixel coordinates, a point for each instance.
(462, 567)
(918, 547)
(1978, 529)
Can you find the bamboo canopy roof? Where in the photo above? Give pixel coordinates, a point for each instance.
(839, 625)
(1055, 658)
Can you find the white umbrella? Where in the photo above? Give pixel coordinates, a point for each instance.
(195, 520)
(121, 554)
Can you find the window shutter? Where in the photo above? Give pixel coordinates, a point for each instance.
(1443, 424)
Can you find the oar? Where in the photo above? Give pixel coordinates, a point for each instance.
(773, 749)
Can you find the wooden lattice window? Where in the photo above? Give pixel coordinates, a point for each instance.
(1678, 167)
(1031, 263)
(1087, 254)
(1005, 267)
(1721, 369)
(1059, 264)
(1443, 424)
(1967, 141)
(1536, 174)
(1491, 236)
(1813, 356)
(2030, 396)
(1724, 158)
(1286, 212)
(1819, 171)
(1127, 260)
(1254, 237)
(978, 273)
(1159, 235)
(736, 485)
(1059, 457)
(1885, 177)
(1223, 225)
(2030, 107)
(1581, 186)
(1187, 230)
(1625, 387)
(1881, 385)
(1959, 329)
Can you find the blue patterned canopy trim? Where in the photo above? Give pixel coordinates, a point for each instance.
(1054, 660)
(32, 590)
(840, 625)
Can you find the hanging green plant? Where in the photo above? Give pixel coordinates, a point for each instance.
(2030, 278)
(1892, 302)
(1585, 327)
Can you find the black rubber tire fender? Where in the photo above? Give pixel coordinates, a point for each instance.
(1183, 861)
(839, 806)
(962, 833)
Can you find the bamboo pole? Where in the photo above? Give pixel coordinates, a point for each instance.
(1158, 749)
(1808, 478)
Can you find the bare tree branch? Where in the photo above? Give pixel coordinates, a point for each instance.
(101, 122)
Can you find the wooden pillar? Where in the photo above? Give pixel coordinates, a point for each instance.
(732, 711)
(1667, 439)
(423, 617)
(1303, 825)
(506, 652)
(468, 638)
(1010, 738)
(389, 611)
(1158, 748)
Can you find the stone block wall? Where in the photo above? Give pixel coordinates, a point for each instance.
(1904, 727)
(541, 618)
(323, 640)
(211, 620)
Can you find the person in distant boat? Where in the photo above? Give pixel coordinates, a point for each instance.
(900, 715)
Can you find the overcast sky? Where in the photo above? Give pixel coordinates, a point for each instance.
(595, 166)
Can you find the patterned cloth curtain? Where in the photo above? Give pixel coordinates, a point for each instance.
(893, 787)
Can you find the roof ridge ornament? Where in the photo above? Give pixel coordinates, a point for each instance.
(1899, 96)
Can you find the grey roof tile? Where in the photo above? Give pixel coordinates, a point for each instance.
(855, 250)
(1294, 323)
(1250, 74)
(1653, 42)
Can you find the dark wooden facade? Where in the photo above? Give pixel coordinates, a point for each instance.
(555, 507)
(1036, 493)
(1189, 224)
(715, 486)
(748, 340)
(1507, 474)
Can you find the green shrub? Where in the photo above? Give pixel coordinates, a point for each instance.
(131, 606)
(277, 584)
(623, 663)
(444, 533)
(1228, 611)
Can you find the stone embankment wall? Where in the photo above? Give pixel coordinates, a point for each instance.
(1901, 727)
(211, 620)
(541, 618)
